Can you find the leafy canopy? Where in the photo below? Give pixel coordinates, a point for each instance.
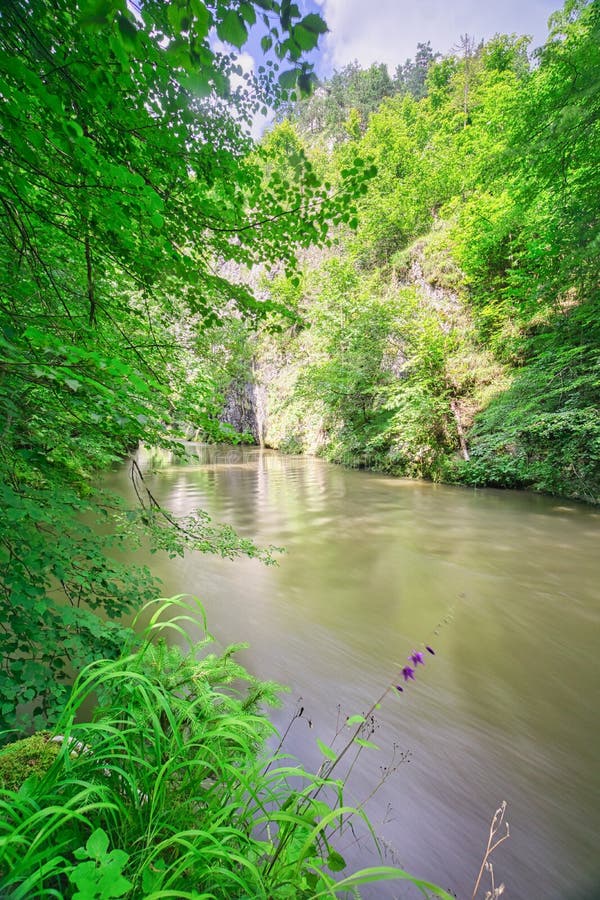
(129, 188)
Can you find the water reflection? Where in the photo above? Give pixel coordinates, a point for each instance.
(507, 708)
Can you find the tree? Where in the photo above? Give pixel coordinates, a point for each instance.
(411, 77)
(127, 183)
(484, 202)
(529, 244)
(326, 112)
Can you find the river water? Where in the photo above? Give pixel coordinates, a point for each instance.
(505, 586)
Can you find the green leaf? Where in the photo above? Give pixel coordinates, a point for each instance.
(73, 128)
(202, 19)
(307, 80)
(305, 38)
(248, 13)
(328, 752)
(178, 17)
(232, 29)
(97, 843)
(363, 743)
(288, 79)
(197, 83)
(336, 861)
(96, 12)
(355, 720)
(128, 33)
(313, 22)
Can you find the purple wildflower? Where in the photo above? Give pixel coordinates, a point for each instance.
(399, 688)
(416, 658)
(430, 650)
(408, 673)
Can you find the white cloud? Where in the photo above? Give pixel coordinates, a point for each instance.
(388, 30)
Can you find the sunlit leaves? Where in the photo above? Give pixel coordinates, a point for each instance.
(484, 199)
(248, 13)
(127, 185)
(328, 752)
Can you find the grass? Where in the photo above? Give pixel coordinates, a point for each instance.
(168, 791)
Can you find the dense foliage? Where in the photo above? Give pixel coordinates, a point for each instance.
(128, 188)
(169, 791)
(128, 185)
(442, 322)
(452, 332)
(346, 100)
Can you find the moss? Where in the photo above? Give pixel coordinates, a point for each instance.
(32, 756)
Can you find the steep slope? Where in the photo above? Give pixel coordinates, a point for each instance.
(451, 328)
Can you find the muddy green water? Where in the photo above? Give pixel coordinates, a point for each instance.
(507, 709)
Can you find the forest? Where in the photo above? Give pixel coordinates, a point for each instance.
(450, 331)
(400, 275)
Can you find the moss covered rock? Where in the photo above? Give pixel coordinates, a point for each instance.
(32, 756)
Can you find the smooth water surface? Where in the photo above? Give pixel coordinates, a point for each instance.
(507, 708)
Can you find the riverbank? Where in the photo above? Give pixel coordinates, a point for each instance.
(170, 790)
(372, 565)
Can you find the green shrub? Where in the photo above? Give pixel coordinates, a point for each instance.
(168, 792)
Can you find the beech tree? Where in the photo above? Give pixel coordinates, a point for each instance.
(128, 182)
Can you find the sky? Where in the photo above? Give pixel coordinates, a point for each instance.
(388, 30)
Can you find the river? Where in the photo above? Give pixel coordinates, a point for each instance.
(374, 567)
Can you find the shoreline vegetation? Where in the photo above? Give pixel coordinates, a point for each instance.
(426, 253)
(449, 328)
(169, 791)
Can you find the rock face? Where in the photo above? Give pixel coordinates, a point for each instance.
(265, 402)
(240, 410)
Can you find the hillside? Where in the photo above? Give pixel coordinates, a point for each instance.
(449, 328)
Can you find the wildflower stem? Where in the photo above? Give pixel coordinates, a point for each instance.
(491, 845)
